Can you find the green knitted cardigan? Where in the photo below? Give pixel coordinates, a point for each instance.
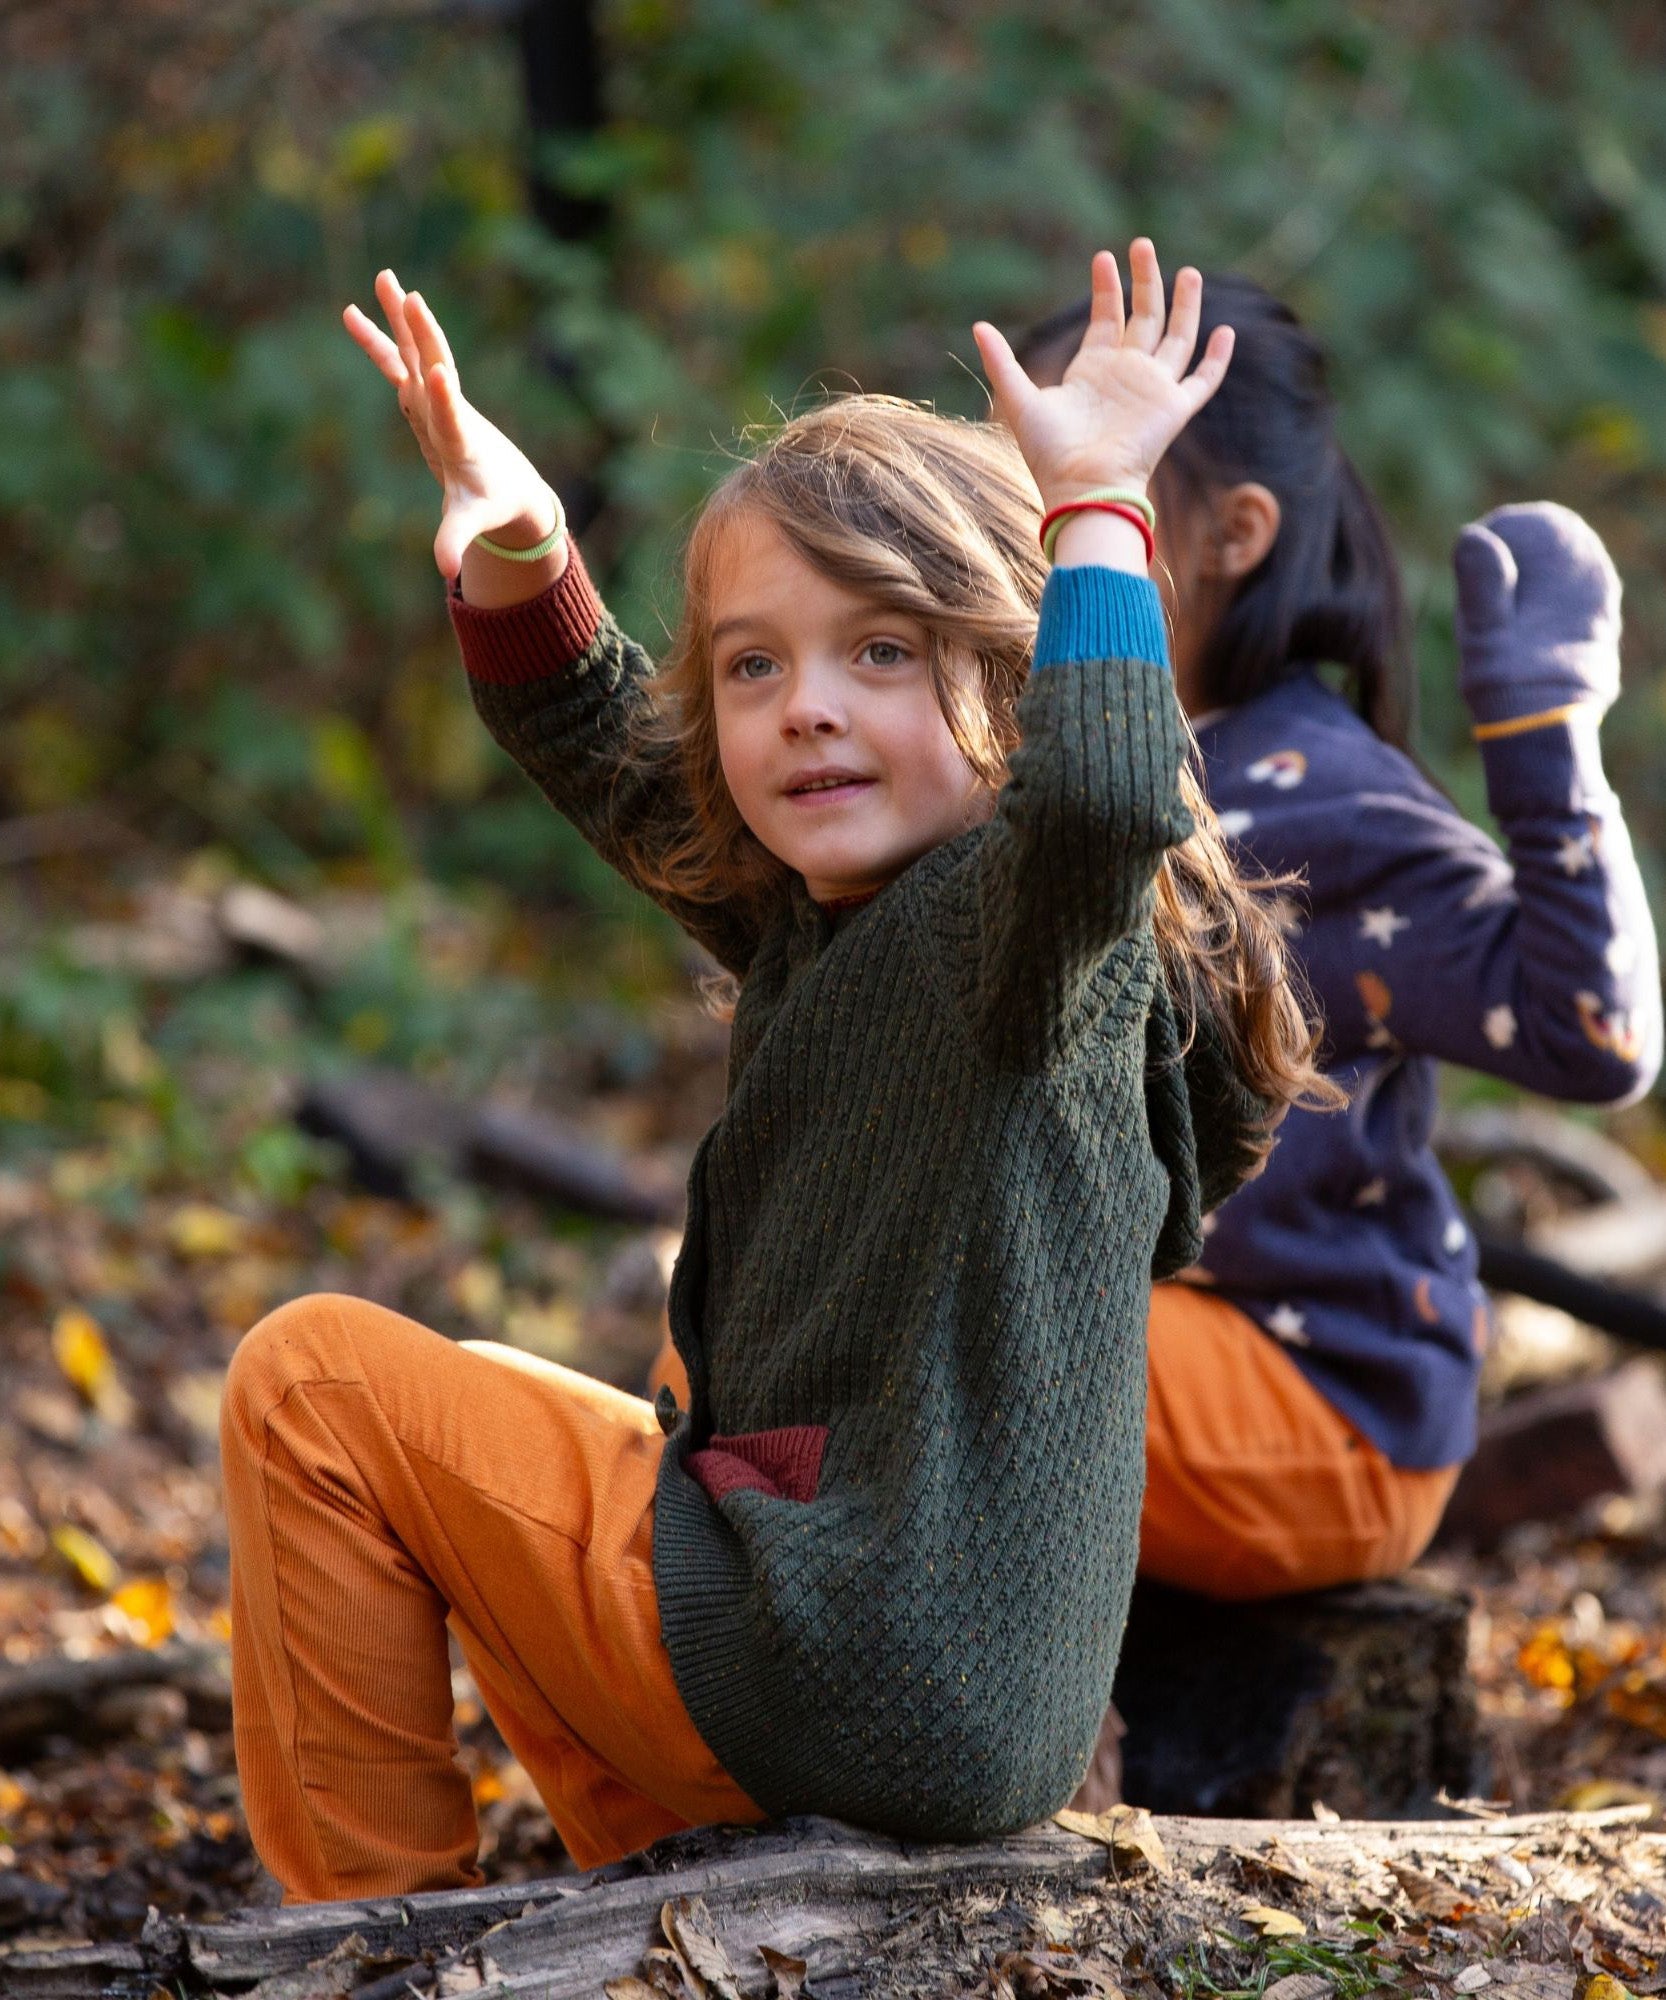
(895, 1533)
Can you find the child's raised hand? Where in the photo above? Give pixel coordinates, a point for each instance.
(1125, 397)
(1538, 614)
(491, 487)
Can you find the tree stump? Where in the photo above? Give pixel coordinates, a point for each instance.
(1360, 1698)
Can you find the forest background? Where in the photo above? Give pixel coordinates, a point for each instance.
(225, 661)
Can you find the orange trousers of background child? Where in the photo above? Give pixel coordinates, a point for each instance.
(385, 1484)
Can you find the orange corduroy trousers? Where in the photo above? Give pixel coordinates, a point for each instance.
(383, 1483)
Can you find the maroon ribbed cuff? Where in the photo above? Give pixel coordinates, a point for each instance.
(530, 642)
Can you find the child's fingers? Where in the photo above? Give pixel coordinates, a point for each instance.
(445, 407)
(1105, 311)
(1175, 348)
(1145, 322)
(377, 345)
(432, 344)
(1210, 372)
(1013, 390)
(390, 295)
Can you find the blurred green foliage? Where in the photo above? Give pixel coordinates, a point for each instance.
(218, 612)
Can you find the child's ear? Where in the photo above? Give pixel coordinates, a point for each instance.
(1245, 527)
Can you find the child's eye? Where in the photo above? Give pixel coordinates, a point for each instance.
(884, 652)
(751, 666)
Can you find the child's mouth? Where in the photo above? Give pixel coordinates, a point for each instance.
(832, 790)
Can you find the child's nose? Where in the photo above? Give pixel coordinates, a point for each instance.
(812, 708)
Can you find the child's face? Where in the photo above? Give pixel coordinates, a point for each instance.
(833, 745)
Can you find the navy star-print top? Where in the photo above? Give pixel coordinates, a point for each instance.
(1421, 943)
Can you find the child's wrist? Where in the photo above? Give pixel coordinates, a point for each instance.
(1060, 492)
(536, 523)
(1107, 541)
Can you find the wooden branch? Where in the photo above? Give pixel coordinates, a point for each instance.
(1597, 1166)
(395, 1127)
(59, 1697)
(847, 1902)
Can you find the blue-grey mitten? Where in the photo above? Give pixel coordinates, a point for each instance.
(1538, 613)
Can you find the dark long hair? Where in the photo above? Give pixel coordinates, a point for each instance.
(1329, 588)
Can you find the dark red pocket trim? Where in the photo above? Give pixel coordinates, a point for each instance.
(785, 1463)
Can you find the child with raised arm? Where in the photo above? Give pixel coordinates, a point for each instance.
(1007, 1025)
(1313, 1377)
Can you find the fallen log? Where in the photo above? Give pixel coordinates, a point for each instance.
(89, 1699)
(397, 1130)
(849, 1909)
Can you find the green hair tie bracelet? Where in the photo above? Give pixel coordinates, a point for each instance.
(539, 550)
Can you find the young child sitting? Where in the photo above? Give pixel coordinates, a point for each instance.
(1007, 1026)
(1313, 1378)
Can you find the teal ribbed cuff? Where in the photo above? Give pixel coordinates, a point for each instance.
(1091, 613)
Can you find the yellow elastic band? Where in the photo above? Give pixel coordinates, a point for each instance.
(1489, 732)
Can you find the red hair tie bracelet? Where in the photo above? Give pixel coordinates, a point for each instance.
(1137, 516)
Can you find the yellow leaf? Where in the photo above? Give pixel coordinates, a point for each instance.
(91, 1561)
(128, 1060)
(12, 1795)
(1272, 1923)
(1604, 1986)
(197, 1229)
(552, 1331)
(148, 1606)
(23, 1100)
(79, 1350)
(488, 1788)
(477, 1288)
(1597, 1794)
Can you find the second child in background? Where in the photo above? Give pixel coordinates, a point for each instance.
(1313, 1378)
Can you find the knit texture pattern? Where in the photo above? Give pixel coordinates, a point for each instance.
(962, 1136)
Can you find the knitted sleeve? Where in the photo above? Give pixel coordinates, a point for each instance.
(1541, 969)
(1064, 872)
(560, 687)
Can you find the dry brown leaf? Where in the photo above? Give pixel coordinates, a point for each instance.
(1429, 1897)
(630, 1989)
(1274, 1859)
(1053, 1924)
(1128, 1831)
(667, 1974)
(1299, 1986)
(1272, 1923)
(788, 1974)
(474, 1973)
(687, 1927)
(1472, 1979)
(325, 1979)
